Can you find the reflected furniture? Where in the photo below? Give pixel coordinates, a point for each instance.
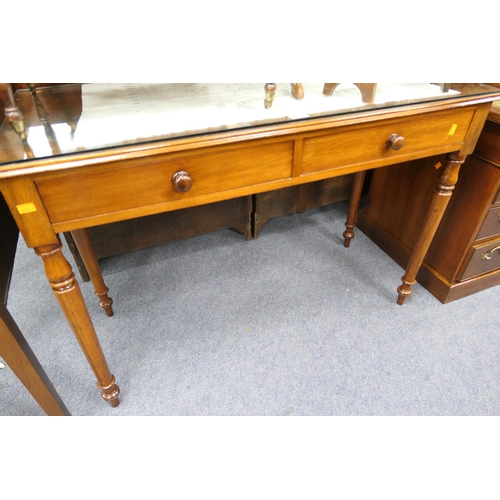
(70, 192)
(367, 91)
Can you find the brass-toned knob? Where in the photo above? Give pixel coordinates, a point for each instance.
(182, 181)
(395, 142)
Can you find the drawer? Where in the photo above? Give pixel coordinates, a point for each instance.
(107, 190)
(367, 143)
(485, 258)
(491, 224)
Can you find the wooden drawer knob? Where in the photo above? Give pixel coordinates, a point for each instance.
(182, 181)
(395, 142)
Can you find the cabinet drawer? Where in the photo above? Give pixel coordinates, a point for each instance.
(485, 258)
(364, 144)
(491, 224)
(107, 190)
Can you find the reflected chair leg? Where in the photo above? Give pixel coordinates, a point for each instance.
(367, 91)
(270, 89)
(14, 116)
(297, 90)
(84, 244)
(12, 113)
(357, 188)
(439, 201)
(70, 298)
(17, 353)
(328, 88)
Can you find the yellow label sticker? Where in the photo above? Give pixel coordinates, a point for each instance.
(452, 129)
(26, 208)
(438, 165)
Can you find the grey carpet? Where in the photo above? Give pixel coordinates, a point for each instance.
(289, 324)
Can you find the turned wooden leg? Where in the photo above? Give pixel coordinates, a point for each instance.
(357, 188)
(68, 294)
(270, 89)
(435, 210)
(82, 240)
(22, 361)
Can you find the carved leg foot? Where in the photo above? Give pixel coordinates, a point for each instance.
(404, 290)
(110, 392)
(439, 201)
(357, 188)
(68, 294)
(270, 89)
(84, 245)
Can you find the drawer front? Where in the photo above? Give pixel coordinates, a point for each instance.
(491, 224)
(109, 190)
(355, 145)
(485, 258)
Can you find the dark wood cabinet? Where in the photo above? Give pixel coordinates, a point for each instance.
(464, 257)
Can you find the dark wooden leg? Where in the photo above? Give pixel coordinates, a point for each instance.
(68, 293)
(437, 205)
(357, 188)
(22, 361)
(270, 89)
(9, 235)
(84, 245)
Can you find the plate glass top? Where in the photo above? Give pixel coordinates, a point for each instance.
(76, 118)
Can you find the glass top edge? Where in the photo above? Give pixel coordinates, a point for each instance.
(69, 119)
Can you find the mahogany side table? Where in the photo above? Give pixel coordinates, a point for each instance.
(77, 189)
